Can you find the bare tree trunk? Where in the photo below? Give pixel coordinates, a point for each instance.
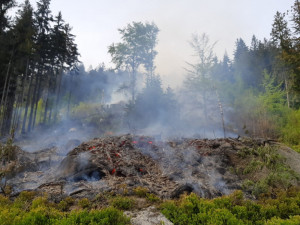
(5, 108)
(58, 93)
(47, 102)
(37, 101)
(32, 103)
(9, 103)
(20, 110)
(4, 94)
(287, 91)
(221, 110)
(5, 83)
(50, 115)
(27, 106)
(18, 103)
(70, 94)
(205, 112)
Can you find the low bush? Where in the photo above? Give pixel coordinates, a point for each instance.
(27, 210)
(123, 203)
(234, 209)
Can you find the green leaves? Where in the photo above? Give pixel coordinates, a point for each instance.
(136, 49)
(233, 210)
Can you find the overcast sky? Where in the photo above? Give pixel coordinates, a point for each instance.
(95, 24)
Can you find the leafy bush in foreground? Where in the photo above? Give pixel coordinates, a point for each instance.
(234, 209)
(38, 211)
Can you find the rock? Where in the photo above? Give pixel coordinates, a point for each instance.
(148, 216)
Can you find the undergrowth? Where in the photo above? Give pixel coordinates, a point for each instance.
(31, 208)
(234, 209)
(266, 171)
(7, 151)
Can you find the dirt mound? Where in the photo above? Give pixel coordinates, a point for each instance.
(122, 163)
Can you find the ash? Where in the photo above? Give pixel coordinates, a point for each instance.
(116, 163)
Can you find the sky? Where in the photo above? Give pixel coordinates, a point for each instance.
(96, 22)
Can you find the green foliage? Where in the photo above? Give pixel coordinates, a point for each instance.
(253, 166)
(153, 106)
(291, 130)
(64, 205)
(256, 188)
(84, 203)
(26, 211)
(137, 48)
(105, 216)
(123, 203)
(7, 151)
(234, 209)
(272, 100)
(261, 112)
(152, 197)
(276, 173)
(140, 191)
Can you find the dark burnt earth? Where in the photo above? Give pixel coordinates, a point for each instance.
(122, 163)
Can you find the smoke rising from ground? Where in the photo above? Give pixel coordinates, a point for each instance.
(100, 105)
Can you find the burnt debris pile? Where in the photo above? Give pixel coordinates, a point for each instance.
(122, 163)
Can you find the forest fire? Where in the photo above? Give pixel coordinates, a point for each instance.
(165, 168)
(165, 112)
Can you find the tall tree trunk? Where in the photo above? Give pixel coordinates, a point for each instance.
(9, 103)
(205, 113)
(47, 102)
(70, 95)
(221, 110)
(37, 101)
(27, 105)
(287, 91)
(20, 109)
(34, 96)
(58, 93)
(5, 83)
(50, 115)
(133, 84)
(18, 103)
(4, 94)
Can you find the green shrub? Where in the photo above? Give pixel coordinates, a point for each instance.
(84, 203)
(290, 133)
(253, 166)
(7, 151)
(233, 209)
(123, 203)
(140, 191)
(293, 220)
(152, 197)
(102, 217)
(4, 201)
(43, 212)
